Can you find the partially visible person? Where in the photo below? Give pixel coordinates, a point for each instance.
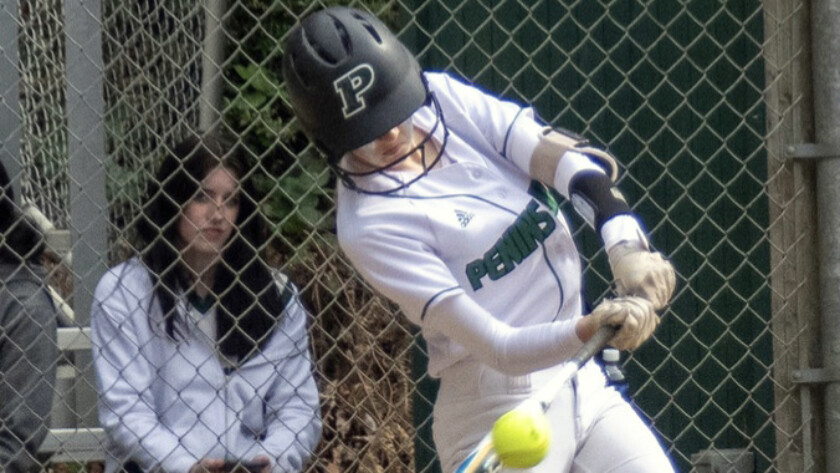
(201, 349)
(28, 350)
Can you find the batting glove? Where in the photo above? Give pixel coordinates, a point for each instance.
(642, 273)
(634, 316)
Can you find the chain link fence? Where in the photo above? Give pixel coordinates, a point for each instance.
(698, 99)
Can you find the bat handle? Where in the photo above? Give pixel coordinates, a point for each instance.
(592, 346)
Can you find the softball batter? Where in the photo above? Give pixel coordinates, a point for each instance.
(444, 207)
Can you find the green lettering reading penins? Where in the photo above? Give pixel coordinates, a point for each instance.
(476, 271)
(518, 242)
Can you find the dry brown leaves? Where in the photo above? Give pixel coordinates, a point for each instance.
(362, 346)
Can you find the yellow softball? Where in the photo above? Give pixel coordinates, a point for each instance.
(522, 436)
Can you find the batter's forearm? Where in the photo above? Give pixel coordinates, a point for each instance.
(558, 156)
(511, 350)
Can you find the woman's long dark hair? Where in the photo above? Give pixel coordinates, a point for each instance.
(20, 240)
(250, 302)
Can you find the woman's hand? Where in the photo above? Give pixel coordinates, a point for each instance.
(260, 464)
(209, 465)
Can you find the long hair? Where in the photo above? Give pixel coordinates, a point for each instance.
(20, 239)
(250, 302)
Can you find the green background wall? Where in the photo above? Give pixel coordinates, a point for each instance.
(674, 89)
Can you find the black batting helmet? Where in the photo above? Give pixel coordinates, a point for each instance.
(350, 80)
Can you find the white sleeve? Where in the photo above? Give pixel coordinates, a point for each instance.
(511, 129)
(400, 265)
(511, 350)
(622, 228)
(294, 422)
(123, 378)
(570, 164)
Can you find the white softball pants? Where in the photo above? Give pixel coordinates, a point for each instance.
(594, 429)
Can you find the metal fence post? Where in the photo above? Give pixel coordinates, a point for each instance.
(826, 83)
(211, 65)
(86, 148)
(10, 122)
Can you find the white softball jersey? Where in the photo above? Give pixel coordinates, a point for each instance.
(476, 224)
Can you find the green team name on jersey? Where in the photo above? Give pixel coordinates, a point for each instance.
(518, 241)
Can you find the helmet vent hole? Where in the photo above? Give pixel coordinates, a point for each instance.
(320, 50)
(373, 32)
(366, 24)
(345, 37)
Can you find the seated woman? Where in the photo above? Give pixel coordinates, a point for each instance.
(28, 352)
(200, 348)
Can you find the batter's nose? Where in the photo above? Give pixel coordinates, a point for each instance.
(390, 134)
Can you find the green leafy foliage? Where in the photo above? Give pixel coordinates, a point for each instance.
(288, 171)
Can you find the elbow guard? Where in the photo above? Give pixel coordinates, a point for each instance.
(595, 199)
(553, 143)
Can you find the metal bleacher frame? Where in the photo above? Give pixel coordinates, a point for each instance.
(73, 444)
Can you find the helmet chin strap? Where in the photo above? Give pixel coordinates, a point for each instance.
(347, 176)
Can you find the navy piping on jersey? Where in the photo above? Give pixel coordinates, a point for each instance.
(500, 207)
(556, 278)
(507, 134)
(434, 298)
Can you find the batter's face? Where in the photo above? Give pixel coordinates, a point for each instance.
(207, 220)
(395, 144)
